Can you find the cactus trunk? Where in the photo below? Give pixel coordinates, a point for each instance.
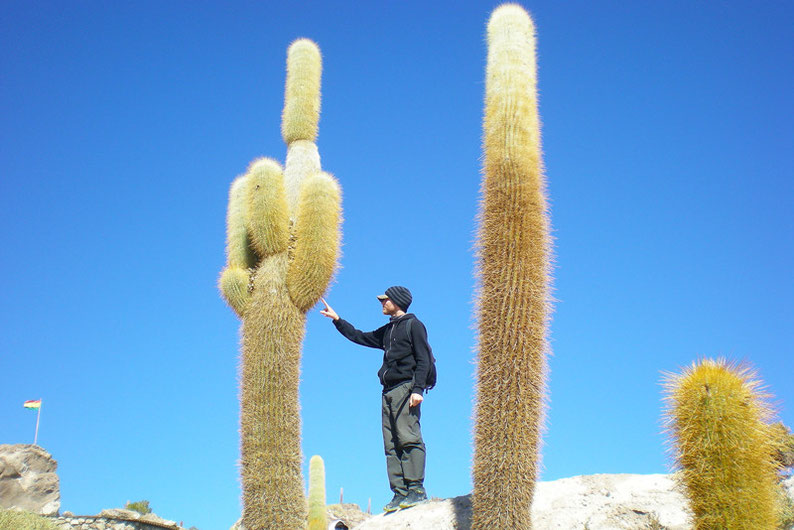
(271, 461)
(514, 274)
(276, 222)
(718, 423)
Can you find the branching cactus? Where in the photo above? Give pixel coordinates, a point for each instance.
(718, 422)
(282, 244)
(318, 516)
(514, 271)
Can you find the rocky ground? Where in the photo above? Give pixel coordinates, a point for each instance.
(593, 502)
(28, 481)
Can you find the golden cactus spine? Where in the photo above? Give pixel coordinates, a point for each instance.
(718, 422)
(318, 516)
(282, 246)
(514, 273)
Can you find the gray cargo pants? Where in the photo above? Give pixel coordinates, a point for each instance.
(402, 440)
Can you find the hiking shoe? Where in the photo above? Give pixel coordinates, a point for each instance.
(394, 505)
(415, 496)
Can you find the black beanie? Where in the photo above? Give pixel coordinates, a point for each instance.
(400, 296)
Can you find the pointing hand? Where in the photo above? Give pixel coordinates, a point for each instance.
(328, 311)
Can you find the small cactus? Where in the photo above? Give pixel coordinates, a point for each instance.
(318, 516)
(717, 419)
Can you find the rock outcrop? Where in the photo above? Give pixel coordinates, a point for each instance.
(595, 502)
(349, 515)
(28, 480)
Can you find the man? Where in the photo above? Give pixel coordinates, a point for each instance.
(406, 364)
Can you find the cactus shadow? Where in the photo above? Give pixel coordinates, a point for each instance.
(461, 508)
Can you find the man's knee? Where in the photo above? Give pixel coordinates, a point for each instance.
(410, 445)
(409, 439)
(409, 434)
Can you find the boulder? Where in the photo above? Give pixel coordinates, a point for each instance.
(595, 502)
(28, 480)
(120, 513)
(350, 515)
(154, 518)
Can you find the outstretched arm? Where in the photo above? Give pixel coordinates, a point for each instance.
(372, 339)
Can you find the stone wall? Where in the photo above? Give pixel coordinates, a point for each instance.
(87, 522)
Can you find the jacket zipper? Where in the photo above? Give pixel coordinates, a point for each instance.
(391, 336)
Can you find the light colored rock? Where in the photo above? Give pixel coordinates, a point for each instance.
(119, 513)
(592, 502)
(349, 514)
(28, 480)
(154, 518)
(633, 501)
(437, 514)
(596, 502)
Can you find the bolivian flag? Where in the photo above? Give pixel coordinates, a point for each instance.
(32, 404)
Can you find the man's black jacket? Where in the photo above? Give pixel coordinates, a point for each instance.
(401, 362)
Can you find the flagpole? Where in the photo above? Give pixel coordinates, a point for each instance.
(36, 438)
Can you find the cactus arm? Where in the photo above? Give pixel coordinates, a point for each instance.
(240, 257)
(317, 240)
(233, 284)
(239, 252)
(268, 219)
(301, 112)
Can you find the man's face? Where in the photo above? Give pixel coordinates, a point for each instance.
(389, 307)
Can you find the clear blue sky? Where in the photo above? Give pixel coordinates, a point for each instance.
(668, 145)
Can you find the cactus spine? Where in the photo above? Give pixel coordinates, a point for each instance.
(282, 245)
(717, 420)
(514, 273)
(318, 517)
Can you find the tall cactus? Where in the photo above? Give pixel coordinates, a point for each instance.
(318, 516)
(717, 420)
(514, 270)
(282, 244)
